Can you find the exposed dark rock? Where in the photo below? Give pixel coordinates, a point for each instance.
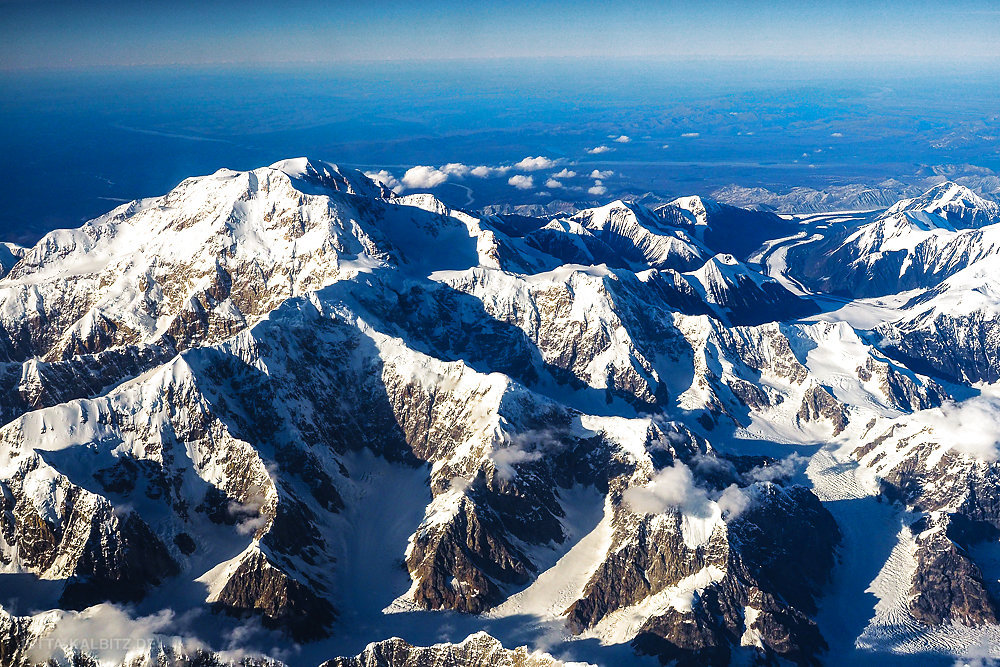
(962, 348)
(15, 640)
(259, 588)
(103, 556)
(185, 543)
(787, 543)
(900, 388)
(119, 571)
(947, 585)
(648, 555)
(685, 640)
(818, 404)
(777, 568)
(463, 563)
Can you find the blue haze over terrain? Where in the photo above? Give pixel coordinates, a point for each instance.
(107, 101)
(77, 143)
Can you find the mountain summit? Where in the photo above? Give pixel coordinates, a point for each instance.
(957, 204)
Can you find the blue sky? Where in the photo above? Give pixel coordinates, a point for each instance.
(41, 34)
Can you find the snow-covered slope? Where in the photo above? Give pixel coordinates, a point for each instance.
(914, 244)
(953, 328)
(636, 234)
(941, 252)
(743, 295)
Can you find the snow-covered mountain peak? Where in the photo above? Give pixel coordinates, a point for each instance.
(726, 258)
(425, 201)
(223, 249)
(957, 204)
(916, 243)
(943, 194)
(699, 207)
(723, 272)
(617, 210)
(566, 225)
(318, 177)
(258, 212)
(641, 237)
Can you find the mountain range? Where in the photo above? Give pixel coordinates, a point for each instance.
(289, 417)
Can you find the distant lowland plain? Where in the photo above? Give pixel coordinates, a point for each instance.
(544, 135)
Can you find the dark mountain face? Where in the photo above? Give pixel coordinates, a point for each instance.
(288, 406)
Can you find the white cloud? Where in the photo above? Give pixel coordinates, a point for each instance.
(670, 488)
(565, 173)
(109, 633)
(597, 189)
(691, 134)
(676, 488)
(712, 466)
(553, 183)
(459, 484)
(505, 458)
(733, 502)
(976, 419)
(484, 171)
(837, 134)
(250, 516)
(623, 139)
(536, 163)
(522, 448)
(456, 169)
(785, 467)
(385, 178)
(521, 182)
(601, 174)
(423, 176)
(597, 150)
(665, 146)
(979, 654)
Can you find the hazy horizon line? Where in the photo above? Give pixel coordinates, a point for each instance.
(985, 60)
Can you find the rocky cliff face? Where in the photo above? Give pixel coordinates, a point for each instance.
(478, 650)
(287, 405)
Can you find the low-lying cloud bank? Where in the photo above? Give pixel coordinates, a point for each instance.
(426, 177)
